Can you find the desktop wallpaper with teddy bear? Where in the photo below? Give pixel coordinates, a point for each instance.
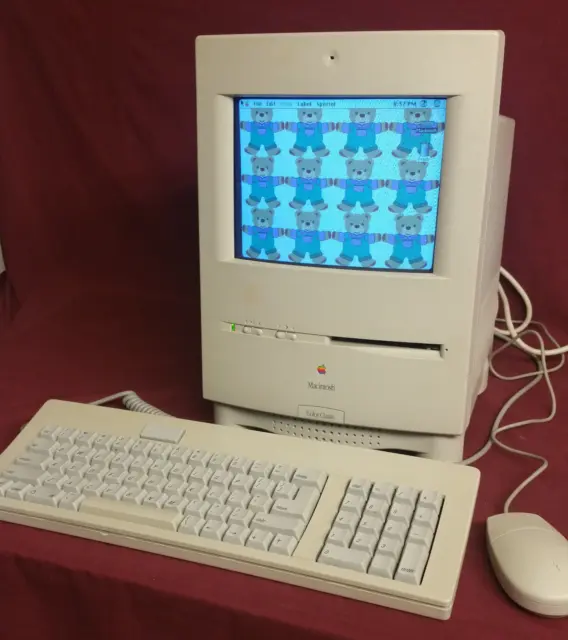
(339, 182)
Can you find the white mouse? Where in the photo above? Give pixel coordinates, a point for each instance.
(530, 560)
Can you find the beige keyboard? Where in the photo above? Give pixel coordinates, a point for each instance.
(378, 527)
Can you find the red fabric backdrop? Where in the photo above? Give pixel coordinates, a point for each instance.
(99, 227)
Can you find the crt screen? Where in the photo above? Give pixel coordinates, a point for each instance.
(340, 182)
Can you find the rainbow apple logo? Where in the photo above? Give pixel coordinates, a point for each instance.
(322, 370)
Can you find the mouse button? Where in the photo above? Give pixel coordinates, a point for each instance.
(505, 523)
(534, 562)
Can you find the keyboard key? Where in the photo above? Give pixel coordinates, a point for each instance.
(127, 512)
(201, 474)
(121, 460)
(239, 499)
(42, 446)
(160, 467)
(103, 441)
(395, 530)
(240, 464)
(382, 566)
(58, 465)
(35, 460)
(425, 517)
(4, 484)
(160, 451)
(85, 438)
(261, 469)
(241, 516)
(310, 478)
(176, 503)
(113, 492)
(76, 469)
(122, 444)
(96, 472)
(353, 503)
(260, 504)
(346, 520)
(50, 432)
(389, 547)
(359, 487)
(420, 535)
(74, 485)
(134, 495)
(260, 540)
(196, 491)
(340, 537)
(200, 458)
(302, 506)
(222, 478)
(431, 500)
(181, 471)
(283, 545)
(114, 476)
(18, 489)
(192, 525)
(371, 524)
(197, 508)
(154, 483)
(54, 480)
(345, 558)
(71, 501)
(365, 542)
(282, 472)
(67, 435)
(236, 534)
(141, 463)
(401, 513)
(286, 490)
(180, 454)
(84, 454)
(219, 512)
(135, 479)
(383, 491)
(217, 495)
(242, 482)
(175, 487)
(263, 486)
(94, 489)
(154, 499)
(376, 508)
(278, 524)
(141, 448)
(102, 456)
(412, 564)
(220, 462)
(29, 475)
(163, 433)
(213, 529)
(406, 495)
(44, 495)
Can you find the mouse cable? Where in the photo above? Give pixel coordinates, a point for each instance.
(513, 337)
(513, 331)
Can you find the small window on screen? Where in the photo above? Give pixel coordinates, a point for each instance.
(339, 182)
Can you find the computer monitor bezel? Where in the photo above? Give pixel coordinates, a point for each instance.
(412, 307)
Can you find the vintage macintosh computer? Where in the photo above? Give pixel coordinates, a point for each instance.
(352, 196)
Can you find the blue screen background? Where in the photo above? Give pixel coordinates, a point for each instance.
(333, 166)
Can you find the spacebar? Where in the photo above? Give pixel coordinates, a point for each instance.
(132, 513)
